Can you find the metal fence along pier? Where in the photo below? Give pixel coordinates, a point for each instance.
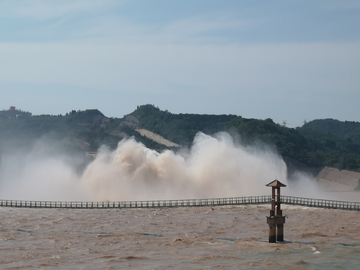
(252, 200)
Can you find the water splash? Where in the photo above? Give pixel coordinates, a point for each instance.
(212, 167)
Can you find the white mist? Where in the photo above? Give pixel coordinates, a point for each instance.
(213, 167)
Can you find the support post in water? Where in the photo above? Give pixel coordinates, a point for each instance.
(276, 220)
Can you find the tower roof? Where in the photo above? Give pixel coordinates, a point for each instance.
(275, 183)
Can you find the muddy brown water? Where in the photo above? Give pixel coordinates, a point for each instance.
(182, 238)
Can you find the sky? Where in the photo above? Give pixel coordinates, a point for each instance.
(291, 61)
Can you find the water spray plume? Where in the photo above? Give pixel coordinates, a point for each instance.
(45, 173)
(214, 167)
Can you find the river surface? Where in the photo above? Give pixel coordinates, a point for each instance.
(182, 238)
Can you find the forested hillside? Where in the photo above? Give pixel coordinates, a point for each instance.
(348, 130)
(334, 143)
(318, 143)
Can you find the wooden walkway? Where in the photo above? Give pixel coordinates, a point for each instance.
(252, 200)
(320, 203)
(139, 204)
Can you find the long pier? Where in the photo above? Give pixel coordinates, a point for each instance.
(252, 200)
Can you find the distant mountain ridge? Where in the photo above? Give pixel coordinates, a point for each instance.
(348, 129)
(318, 143)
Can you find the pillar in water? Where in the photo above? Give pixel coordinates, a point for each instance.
(272, 233)
(280, 232)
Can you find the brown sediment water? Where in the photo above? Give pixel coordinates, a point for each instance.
(180, 238)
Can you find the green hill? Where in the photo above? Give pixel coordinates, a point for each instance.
(318, 143)
(334, 143)
(312, 145)
(347, 130)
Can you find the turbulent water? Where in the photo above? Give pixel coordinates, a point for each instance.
(181, 238)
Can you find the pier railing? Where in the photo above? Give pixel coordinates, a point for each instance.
(252, 200)
(139, 204)
(320, 203)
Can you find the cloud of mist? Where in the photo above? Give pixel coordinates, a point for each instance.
(214, 167)
(303, 184)
(44, 173)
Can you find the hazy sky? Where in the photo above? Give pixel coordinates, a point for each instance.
(285, 60)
